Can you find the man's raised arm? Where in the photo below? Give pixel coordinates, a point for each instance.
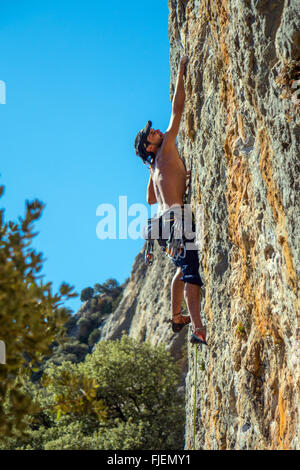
(177, 104)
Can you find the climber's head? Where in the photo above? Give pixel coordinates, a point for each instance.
(147, 143)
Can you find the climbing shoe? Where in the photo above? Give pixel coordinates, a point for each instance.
(179, 321)
(198, 336)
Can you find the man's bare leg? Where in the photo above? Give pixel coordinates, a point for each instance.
(192, 295)
(177, 289)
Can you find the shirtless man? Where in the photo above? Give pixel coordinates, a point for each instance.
(167, 183)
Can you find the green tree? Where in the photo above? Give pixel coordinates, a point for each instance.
(123, 396)
(87, 294)
(93, 337)
(138, 385)
(110, 288)
(31, 317)
(113, 292)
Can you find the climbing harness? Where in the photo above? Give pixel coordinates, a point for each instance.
(174, 247)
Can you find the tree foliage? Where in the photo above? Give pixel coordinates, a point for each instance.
(138, 385)
(109, 287)
(123, 396)
(94, 337)
(86, 294)
(31, 317)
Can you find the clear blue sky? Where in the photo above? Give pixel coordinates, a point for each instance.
(81, 79)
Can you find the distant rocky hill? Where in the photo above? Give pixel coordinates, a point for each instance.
(83, 328)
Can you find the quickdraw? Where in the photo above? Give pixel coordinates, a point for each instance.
(175, 249)
(149, 252)
(175, 246)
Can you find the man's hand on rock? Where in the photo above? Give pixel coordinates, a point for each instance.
(182, 65)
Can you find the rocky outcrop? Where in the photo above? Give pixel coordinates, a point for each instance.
(240, 138)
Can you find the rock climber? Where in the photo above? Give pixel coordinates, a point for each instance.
(166, 186)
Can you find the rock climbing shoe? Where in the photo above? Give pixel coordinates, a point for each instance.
(179, 321)
(198, 336)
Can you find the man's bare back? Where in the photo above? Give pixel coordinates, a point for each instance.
(168, 175)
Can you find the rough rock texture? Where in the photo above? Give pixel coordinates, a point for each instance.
(244, 156)
(241, 140)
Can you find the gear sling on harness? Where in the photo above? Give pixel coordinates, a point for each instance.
(175, 231)
(168, 231)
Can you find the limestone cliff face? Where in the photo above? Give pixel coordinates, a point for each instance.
(240, 137)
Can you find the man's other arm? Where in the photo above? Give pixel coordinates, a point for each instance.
(177, 105)
(151, 197)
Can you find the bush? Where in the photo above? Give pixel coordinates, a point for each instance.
(94, 336)
(31, 317)
(83, 321)
(123, 396)
(86, 294)
(110, 287)
(138, 384)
